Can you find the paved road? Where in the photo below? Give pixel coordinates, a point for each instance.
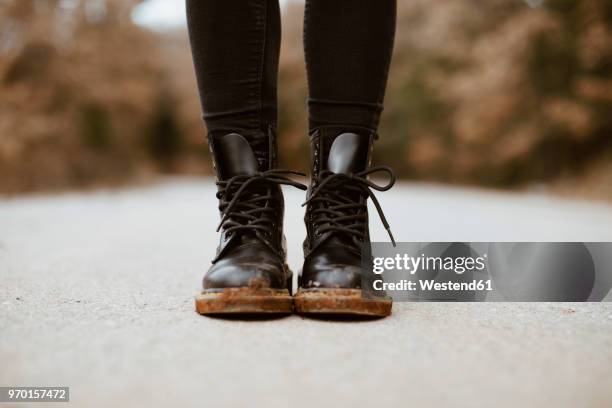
(96, 293)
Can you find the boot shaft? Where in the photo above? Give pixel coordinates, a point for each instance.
(236, 159)
(336, 150)
(231, 157)
(350, 154)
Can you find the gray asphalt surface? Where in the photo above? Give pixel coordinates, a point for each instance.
(97, 290)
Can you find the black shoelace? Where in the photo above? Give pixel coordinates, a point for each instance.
(334, 208)
(244, 201)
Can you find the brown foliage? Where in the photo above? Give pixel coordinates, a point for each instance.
(82, 91)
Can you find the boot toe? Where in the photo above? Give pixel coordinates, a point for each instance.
(332, 269)
(247, 267)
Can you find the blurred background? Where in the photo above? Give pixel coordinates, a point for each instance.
(96, 287)
(513, 94)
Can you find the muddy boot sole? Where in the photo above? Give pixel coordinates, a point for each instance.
(340, 302)
(232, 301)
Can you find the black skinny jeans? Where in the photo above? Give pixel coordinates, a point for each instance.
(235, 45)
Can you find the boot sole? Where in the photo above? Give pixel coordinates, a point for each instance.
(244, 301)
(340, 302)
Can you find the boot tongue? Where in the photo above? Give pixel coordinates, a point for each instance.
(234, 156)
(348, 154)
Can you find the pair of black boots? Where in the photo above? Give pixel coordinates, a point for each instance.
(249, 274)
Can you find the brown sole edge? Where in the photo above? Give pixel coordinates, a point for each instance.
(340, 302)
(244, 301)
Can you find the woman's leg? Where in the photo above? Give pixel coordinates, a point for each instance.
(235, 46)
(348, 45)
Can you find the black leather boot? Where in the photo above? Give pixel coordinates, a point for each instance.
(249, 273)
(337, 224)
